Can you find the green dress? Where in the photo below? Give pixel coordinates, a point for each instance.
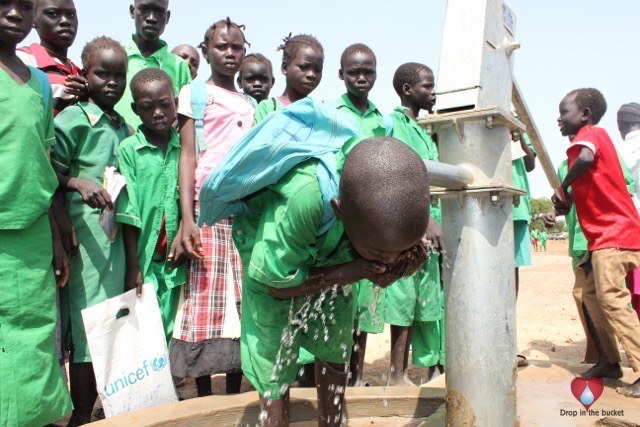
(149, 200)
(32, 390)
(278, 244)
(267, 107)
(370, 299)
(419, 300)
(86, 145)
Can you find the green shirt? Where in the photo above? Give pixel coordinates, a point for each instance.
(172, 64)
(577, 242)
(407, 130)
(543, 237)
(267, 107)
(520, 180)
(26, 131)
(278, 241)
(371, 122)
(151, 195)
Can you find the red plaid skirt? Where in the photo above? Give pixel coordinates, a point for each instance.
(206, 289)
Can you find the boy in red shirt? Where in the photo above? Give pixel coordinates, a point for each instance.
(610, 223)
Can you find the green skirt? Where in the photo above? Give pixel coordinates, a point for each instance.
(32, 390)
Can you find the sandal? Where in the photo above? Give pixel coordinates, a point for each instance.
(522, 361)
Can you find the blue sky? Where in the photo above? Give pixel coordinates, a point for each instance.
(566, 44)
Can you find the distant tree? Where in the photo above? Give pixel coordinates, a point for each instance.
(539, 207)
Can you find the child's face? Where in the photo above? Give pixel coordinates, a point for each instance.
(225, 51)
(191, 57)
(304, 72)
(256, 80)
(367, 241)
(57, 22)
(151, 18)
(156, 106)
(16, 20)
(359, 74)
(571, 118)
(107, 78)
(422, 94)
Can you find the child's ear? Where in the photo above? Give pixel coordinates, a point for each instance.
(284, 67)
(168, 17)
(134, 108)
(176, 101)
(340, 74)
(131, 10)
(586, 114)
(273, 81)
(337, 208)
(85, 72)
(406, 89)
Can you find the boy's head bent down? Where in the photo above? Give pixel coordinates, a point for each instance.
(384, 198)
(579, 108)
(154, 100)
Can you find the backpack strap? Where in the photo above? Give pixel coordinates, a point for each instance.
(198, 105)
(45, 86)
(388, 125)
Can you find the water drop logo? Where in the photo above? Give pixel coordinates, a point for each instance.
(158, 363)
(588, 391)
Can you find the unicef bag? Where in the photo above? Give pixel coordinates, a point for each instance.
(129, 352)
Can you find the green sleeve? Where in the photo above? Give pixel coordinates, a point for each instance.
(265, 108)
(628, 178)
(69, 132)
(282, 254)
(406, 134)
(128, 211)
(184, 76)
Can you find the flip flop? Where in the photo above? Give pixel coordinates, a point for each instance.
(522, 361)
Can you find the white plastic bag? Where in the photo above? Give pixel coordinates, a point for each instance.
(129, 352)
(114, 183)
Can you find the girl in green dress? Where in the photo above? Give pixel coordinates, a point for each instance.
(88, 135)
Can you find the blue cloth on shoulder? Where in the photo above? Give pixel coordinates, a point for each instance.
(304, 130)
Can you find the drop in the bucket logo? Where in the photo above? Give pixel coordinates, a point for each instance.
(587, 391)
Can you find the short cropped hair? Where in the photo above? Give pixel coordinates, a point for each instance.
(100, 43)
(149, 75)
(408, 73)
(593, 100)
(257, 58)
(356, 48)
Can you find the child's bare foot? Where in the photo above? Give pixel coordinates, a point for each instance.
(603, 369)
(632, 390)
(402, 381)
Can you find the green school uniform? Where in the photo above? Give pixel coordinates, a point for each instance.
(32, 390)
(172, 64)
(152, 195)
(522, 212)
(278, 244)
(370, 300)
(419, 299)
(267, 107)
(86, 145)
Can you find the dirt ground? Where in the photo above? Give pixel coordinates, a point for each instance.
(549, 334)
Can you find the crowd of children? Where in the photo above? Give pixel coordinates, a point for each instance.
(228, 291)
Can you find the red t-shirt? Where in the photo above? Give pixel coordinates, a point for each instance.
(605, 209)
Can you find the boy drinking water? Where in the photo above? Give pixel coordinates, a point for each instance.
(146, 49)
(610, 223)
(288, 268)
(149, 206)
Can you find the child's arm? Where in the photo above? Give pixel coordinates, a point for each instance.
(177, 256)
(133, 278)
(322, 278)
(582, 164)
(530, 157)
(60, 260)
(186, 183)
